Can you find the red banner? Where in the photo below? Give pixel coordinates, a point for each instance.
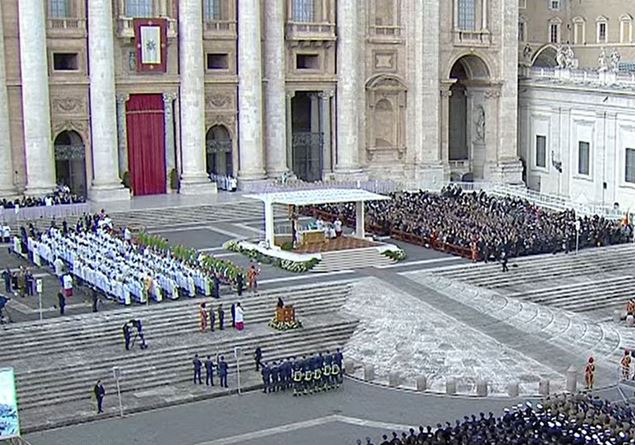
(151, 41)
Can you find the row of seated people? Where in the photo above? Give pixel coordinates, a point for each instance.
(61, 195)
(118, 268)
(578, 420)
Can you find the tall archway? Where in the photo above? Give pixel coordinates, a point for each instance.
(467, 116)
(218, 145)
(70, 161)
(307, 136)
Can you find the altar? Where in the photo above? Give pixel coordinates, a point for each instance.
(285, 319)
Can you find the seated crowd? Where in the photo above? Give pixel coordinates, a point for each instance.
(113, 263)
(484, 226)
(61, 195)
(576, 420)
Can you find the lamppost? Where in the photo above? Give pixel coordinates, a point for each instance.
(116, 372)
(237, 352)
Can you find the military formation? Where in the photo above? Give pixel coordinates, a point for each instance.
(307, 375)
(577, 420)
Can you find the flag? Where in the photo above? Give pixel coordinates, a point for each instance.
(151, 43)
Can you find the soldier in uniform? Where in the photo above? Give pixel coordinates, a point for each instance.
(336, 372)
(297, 379)
(266, 378)
(626, 365)
(274, 377)
(317, 379)
(209, 371)
(222, 371)
(326, 372)
(589, 373)
(197, 370)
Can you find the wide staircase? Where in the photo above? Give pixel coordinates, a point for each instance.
(58, 361)
(597, 279)
(351, 259)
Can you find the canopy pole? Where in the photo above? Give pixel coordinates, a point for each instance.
(359, 219)
(269, 225)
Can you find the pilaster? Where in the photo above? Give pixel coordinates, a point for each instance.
(7, 187)
(36, 108)
(170, 151)
(122, 132)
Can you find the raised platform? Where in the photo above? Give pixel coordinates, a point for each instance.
(343, 242)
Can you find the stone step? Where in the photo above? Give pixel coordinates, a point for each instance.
(167, 368)
(155, 330)
(351, 259)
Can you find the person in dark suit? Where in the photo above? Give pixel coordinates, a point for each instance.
(221, 317)
(222, 371)
(240, 284)
(258, 358)
(209, 371)
(95, 297)
(212, 318)
(62, 302)
(126, 335)
(233, 312)
(216, 289)
(99, 392)
(197, 369)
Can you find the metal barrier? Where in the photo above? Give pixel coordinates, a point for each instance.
(17, 215)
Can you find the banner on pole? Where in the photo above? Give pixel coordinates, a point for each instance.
(9, 421)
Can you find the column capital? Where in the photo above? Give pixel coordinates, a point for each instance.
(326, 94)
(169, 97)
(290, 95)
(122, 98)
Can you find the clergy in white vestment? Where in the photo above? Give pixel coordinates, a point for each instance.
(239, 317)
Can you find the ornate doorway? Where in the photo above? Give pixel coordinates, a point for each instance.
(307, 137)
(219, 149)
(70, 161)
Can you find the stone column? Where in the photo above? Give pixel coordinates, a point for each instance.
(194, 179)
(275, 99)
(103, 115)
(168, 117)
(36, 108)
(250, 91)
(289, 131)
(122, 132)
(325, 126)
(348, 79)
(7, 187)
(445, 121)
(484, 16)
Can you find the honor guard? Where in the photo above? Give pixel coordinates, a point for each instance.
(297, 380)
(266, 378)
(308, 378)
(326, 376)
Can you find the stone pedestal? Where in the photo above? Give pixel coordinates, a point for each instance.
(617, 315)
(513, 390)
(450, 386)
(369, 373)
(422, 383)
(482, 389)
(543, 387)
(507, 171)
(349, 367)
(106, 185)
(36, 108)
(394, 379)
(572, 380)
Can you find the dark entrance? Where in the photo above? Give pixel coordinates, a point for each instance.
(218, 146)
(307, 136)
(70, 161)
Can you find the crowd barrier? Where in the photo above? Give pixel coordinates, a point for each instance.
(18, 214)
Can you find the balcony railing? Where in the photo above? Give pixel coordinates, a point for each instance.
(125, 27)
(310, 31)
(213, 28)
(472, 38)
(66, 26)
(392, 32)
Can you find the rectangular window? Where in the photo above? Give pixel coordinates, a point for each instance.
(522, 4)
(212, 10)
(554, 33)
(578, 33)
(601, 32)
(541, 151)
(303, 11)
(554, 5)
(217, 61)
(139, 8)
(307, 62)
(584, 152)
(65, 62)
(630, 165)
(59, 9)
(467, 15)
(521, 31)
(626, 31)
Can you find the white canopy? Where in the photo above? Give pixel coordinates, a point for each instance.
(318, 196)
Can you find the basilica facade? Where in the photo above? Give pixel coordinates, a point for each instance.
(158, 94)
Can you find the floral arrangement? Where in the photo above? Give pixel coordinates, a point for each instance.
(395, 255)
(227, 270)
(285, 325)
(255, 255)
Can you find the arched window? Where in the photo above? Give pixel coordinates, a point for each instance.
(602, 24)
(467, 15)
(626, 29)
(303, 11)
(579, 31)
(139, 8)
(555, 26)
